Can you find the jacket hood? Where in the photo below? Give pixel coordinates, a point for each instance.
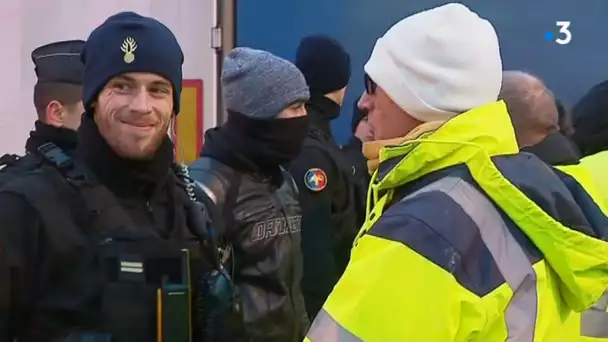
(473, 138)
(486, 130)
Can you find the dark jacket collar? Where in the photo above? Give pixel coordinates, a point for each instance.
(64, 138)
(555, 150)
(128, 178)
(322, 111)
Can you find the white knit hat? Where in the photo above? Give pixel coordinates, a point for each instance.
(438, 63)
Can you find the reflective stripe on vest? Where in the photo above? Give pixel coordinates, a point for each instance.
(326, 329)
(521, 312)
(594, 322)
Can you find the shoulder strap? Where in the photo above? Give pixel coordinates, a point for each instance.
(56, 157)
(212, 177)
(13, 166)
(198, 217)
(216, 185)
(98, 201)
(9, 160)
(290, 182)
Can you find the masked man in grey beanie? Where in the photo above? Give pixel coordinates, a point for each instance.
(255, 198)
(465, 238)
(100, 246)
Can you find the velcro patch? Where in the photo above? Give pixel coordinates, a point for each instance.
(315, 179)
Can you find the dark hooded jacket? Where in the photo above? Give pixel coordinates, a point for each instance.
(555, 150)
(590, 120)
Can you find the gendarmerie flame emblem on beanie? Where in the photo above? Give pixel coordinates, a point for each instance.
(128, 47)
(111, 50)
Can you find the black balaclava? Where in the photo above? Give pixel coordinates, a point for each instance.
(256, 145)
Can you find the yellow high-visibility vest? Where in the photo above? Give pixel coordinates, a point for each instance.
(392, 292)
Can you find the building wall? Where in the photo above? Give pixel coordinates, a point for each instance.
(27, 24)
(569, 70)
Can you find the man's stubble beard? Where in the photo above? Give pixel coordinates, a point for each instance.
(131, 150)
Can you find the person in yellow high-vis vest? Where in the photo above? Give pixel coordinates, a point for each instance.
(590, 121)
(536, 120)
(465, 239)
(597, 165)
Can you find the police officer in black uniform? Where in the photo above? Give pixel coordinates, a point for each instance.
(323, 172)
(105, 245)
(58, 102)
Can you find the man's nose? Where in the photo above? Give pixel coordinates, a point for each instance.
(364, 102)
(141, 102)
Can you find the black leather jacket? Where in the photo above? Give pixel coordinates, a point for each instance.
(262, 223)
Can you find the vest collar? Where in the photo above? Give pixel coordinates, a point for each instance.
(486, 129)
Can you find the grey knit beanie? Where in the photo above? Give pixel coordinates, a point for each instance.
(259, 84)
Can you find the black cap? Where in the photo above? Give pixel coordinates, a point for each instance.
(324, 63)
(59, 62)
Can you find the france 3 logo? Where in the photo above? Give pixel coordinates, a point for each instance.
(563, 36)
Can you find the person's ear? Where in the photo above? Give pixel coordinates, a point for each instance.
(55, 114)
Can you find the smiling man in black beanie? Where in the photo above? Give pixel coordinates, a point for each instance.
(91, 246)
(323, 172)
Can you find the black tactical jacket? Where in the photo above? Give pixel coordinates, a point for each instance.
(74, 264)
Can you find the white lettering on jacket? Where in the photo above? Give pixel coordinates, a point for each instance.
(279, 226)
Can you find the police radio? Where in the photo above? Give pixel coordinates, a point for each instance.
(173, 304)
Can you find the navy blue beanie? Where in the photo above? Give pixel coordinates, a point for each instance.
(324, 63)
(128, 42)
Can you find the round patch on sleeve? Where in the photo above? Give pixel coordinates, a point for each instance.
(315, 179)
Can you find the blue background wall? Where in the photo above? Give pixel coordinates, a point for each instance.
(569, 70)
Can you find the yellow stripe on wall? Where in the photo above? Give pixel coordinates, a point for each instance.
(189, 123)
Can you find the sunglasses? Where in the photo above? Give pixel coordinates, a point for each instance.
(370, 85)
